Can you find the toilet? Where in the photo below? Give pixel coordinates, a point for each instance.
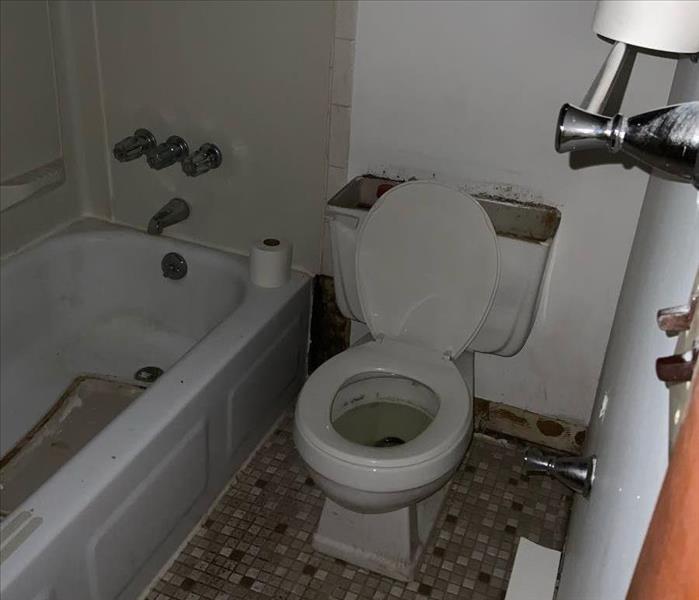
(384, 425)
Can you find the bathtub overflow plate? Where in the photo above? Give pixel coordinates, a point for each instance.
(174, 266)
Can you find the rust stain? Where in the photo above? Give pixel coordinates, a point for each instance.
(580, 438)
(549, 427)
(480, 407)
(59, 445)
(510, 416)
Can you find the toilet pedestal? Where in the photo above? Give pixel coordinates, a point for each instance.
(387, 543)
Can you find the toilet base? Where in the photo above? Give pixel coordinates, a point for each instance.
(387, 543)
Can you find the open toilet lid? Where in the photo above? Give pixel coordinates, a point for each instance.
(427, 266)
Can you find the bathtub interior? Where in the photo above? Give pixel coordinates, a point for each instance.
(88, 405)
(97, 303)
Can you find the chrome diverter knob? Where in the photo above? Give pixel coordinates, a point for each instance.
(168, 153)
(134, 146)
(205, 159)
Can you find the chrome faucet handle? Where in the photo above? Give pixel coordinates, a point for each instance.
(205, 159)
(575, 472)
(134, 146)
(665, 138)
(173, 150)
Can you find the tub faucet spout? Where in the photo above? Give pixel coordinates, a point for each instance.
(173, 212)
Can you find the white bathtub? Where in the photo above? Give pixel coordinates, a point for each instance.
(92, 299)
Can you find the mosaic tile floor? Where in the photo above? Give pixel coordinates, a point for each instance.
(256, 541)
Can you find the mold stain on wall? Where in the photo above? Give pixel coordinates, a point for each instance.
(330, 330)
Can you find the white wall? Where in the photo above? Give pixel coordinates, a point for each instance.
(30, 134)
(470, 91)
(629, 427)
(30, 125)
(252, 77)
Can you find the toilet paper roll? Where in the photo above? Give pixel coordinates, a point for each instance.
(270, 262)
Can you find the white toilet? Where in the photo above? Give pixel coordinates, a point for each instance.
(383, 426)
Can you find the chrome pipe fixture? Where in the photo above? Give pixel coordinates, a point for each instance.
(134, 146)
(173, 150)
(175, 211)
(575, 472)
(666, 139)
(205, 159)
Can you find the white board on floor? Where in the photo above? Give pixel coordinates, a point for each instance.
(534, 572)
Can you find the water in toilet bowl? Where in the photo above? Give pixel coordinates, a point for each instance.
(382, 410)
(382, 424)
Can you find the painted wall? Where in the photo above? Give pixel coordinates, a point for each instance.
(470, 91)
(629, 427)
(252, 77)
(30, 126)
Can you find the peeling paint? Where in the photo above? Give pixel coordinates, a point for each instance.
(495, 418)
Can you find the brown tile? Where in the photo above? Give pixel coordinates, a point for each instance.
(237, 555)
(425, 589)
(256, 542)
(187, 584)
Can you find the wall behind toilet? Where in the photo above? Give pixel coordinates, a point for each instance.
(470, 91)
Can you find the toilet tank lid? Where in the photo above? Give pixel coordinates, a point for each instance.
(427, 266)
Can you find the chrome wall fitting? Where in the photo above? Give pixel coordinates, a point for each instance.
(666, 139)
(205, 159)
(173, 150)
(148, 374)
(575, 472)
(175, 211)
(134, 146)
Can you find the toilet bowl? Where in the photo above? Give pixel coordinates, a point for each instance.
(383, 425)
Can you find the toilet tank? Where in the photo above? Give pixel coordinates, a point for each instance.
(525, 233)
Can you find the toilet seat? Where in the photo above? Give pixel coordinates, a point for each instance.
(427, 266)
(384, 469)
